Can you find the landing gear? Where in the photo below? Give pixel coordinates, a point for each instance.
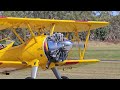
(33, 73)
(6, 73)
(29, 78)
(34, 70)
(57, 74)
(64, 77)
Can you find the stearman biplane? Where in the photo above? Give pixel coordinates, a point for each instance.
(42, 45)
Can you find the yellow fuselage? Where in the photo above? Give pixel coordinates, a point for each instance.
(25, 52)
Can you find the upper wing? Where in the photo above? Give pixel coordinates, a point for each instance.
(60, 25)
(70, 62)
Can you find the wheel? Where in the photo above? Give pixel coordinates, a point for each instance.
(64, 77)
(29, 78)
(7, 73)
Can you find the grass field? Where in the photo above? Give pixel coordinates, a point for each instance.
(99, 50)
(101, 70)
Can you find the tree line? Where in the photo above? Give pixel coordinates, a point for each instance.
(110, 33)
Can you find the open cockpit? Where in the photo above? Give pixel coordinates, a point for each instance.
(5, 43)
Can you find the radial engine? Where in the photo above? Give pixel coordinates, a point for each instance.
(57, 47)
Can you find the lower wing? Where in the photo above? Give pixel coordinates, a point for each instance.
(11, 65)
(71, 62)
(12, 62)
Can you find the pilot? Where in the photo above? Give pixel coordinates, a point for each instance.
(1, 46)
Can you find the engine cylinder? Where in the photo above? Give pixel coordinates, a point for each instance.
(57, 47)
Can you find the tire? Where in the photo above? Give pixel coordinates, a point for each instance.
(64, 77)
(7, 73)
(29, 78)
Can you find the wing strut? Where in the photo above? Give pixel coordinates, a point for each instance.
(86, 43)
(78, 40)
(33, 35)
(52, 30)
(67, 34)
(82, 52)
(13, 30)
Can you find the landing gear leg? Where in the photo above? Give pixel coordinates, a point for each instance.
(34, 70)
(57, 74)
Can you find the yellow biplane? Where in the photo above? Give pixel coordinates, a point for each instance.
(43, 43)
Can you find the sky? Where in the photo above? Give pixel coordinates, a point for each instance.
(115, 13)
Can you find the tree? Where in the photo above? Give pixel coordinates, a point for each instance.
(112, 32)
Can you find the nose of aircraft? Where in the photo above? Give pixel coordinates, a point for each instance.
(57, 48)
(67, 45)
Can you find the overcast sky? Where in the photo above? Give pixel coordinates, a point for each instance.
(115, 12)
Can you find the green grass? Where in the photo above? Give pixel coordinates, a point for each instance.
(99, 50)
(101, 70)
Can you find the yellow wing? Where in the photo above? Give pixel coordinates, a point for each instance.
(60, 25)
(70, 62)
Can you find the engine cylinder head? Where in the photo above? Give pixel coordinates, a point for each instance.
(58, 47)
